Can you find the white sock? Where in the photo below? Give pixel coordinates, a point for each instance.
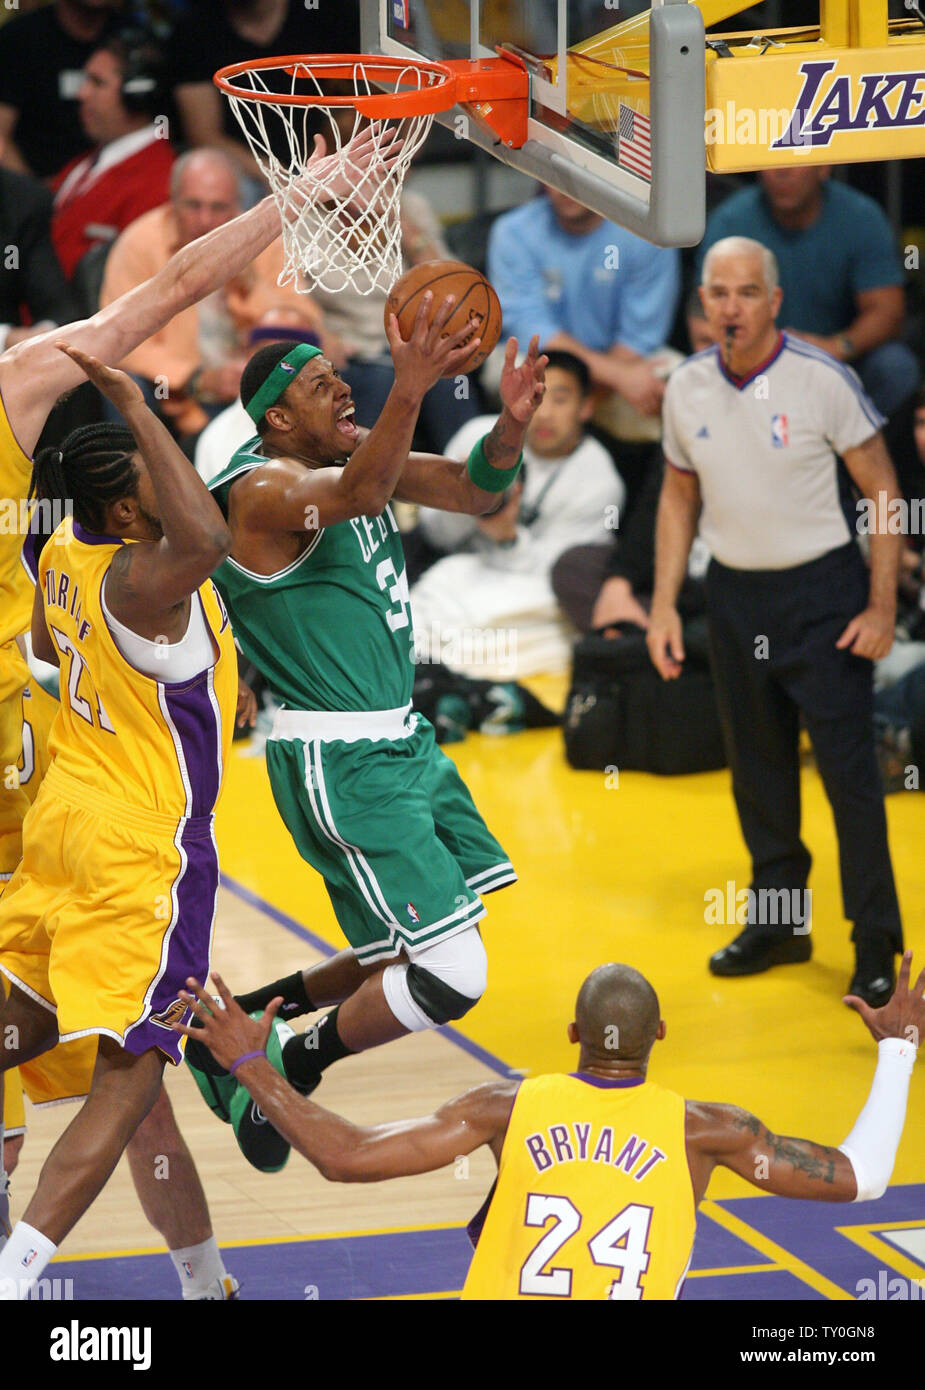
(198, 1266)
(22, 1261)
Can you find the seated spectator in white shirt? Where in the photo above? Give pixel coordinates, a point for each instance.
(497, 580)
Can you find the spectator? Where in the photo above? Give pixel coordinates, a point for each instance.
(899, 722)
(840, 274)
(601, 585)
(499, 574)
(234, 427)
(587, 287)
(197, 358)
(128, 172)
(42, 58)
(34, 294)
(217, 34)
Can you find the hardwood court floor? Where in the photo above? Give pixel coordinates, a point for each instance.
(607, 872)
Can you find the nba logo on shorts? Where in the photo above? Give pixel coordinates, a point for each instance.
(780, 433)
(400, 13)
(412, 912)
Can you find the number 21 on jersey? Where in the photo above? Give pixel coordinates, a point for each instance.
(76, 670)
(620, 1244)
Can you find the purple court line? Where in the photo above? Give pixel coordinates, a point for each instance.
(247, 895)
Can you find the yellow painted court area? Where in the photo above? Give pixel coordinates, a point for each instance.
(620, 873)
(606, 873)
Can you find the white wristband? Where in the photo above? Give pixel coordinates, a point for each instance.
(871, 1146)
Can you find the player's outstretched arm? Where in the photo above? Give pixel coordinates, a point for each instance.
(340, 1150)
(860, 1168)
(34, 374)
(725, 1136)
(147, 579)
(450, 486)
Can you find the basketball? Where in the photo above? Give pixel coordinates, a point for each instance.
(476, 303)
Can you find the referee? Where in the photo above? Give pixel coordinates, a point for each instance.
(752, 428)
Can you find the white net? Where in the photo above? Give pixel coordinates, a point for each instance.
(341, 217)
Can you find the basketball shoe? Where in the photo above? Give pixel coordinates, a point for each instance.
(258, 1141)
(219, 1291)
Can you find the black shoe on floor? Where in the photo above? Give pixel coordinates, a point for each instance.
(754, 951)
(874, 978)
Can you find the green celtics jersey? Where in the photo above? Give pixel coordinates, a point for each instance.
(331, 631)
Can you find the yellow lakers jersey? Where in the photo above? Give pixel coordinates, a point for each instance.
(15, 587)
(593, 1197)
(145, 742)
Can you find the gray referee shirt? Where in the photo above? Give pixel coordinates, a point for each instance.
(764, 449)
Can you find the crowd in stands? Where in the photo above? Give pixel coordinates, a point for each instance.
(116, 149)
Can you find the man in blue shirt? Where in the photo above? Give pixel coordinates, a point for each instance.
(588, 287)
(839, 270)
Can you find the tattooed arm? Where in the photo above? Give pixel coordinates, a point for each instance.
(725, 1136)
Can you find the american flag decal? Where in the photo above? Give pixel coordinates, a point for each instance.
(634, 144)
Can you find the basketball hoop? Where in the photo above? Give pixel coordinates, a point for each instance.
(350, 234)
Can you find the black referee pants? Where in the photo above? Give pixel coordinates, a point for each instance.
(773, 635)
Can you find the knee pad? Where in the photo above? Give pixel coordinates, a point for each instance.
(442, 983)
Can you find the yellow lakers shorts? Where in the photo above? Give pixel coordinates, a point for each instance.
(65, 1072)
(14, 799)
(14, 1113)
(110, 911)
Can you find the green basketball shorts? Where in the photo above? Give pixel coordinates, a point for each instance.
(390, 826)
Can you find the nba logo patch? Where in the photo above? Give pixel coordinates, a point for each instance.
(780, 431)
(187, 1269)
(412, 912)
(400, 13)
(287, 366)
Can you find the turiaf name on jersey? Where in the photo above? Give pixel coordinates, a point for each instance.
(829, 105)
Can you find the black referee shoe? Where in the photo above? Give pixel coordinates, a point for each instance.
(755, 951)
(874, 977)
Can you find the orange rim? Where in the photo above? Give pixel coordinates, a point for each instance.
(422, 101)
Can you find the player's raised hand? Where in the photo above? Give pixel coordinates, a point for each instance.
(228, 1033)
(902, 1016)
(335, 176)
(522, 388)
(430, 352)
(118, 387)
